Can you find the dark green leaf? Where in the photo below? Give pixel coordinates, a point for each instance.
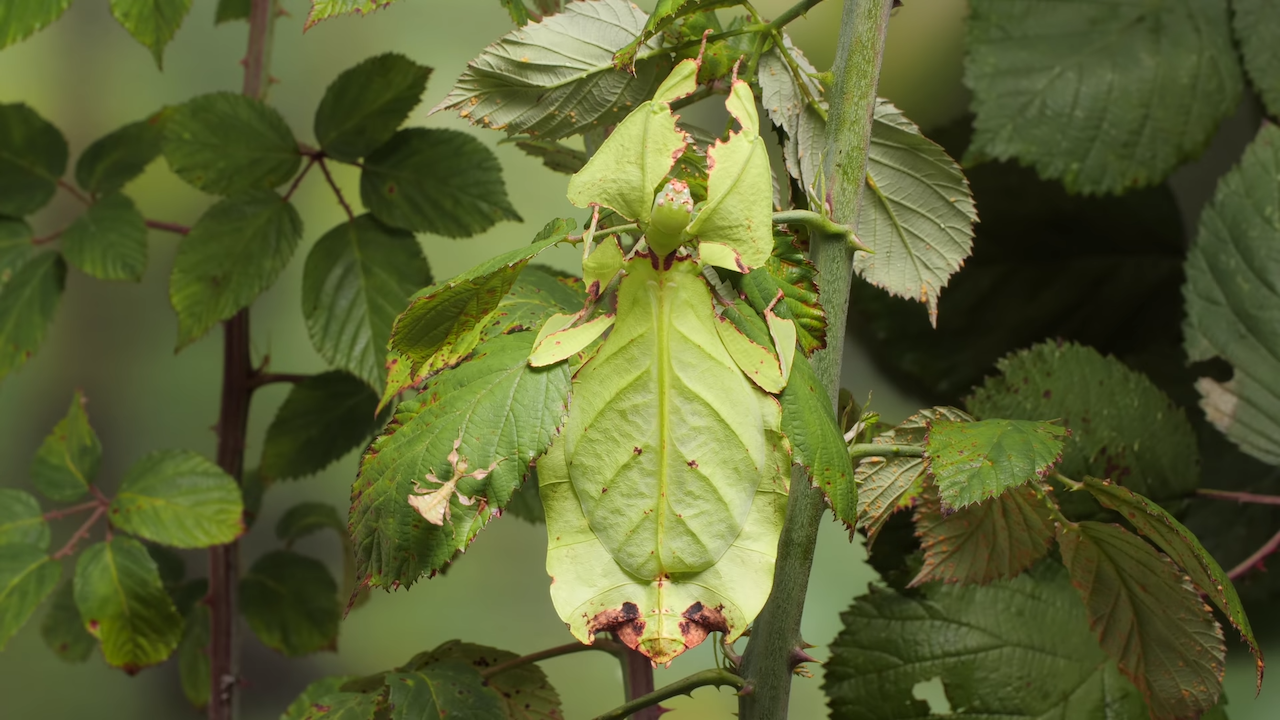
(15, 247)
(33, 156)
(234, 252)
(973, 461)
(186, 594)
(1020, 649)
(1258, 30)
(556, 78)
(308, 518)
(325, 417)
(995, 539)
(291, 603)
(525, 691)
(21, 521)
(1147, 617)
(791, 272)
(503, 411)
(809, 422)
(151, 22)
(27, 576)
(229, 10)
(193, 656)
(448, 688)
(438, 181)
(63, 630)
(1103, 96)
(324, 699)
(21, 18)
(537, 294)
(1231, 302)
(180, 499)
(225, 143)
(124, 604)
(325, 9)
(362, 108)
(357, 279)
(67, 460)
(121, 155)
(27, 304)
(526, 503)
(555, 156)
(1183, 548)
(1144, 442)
(172, 568)
(109, 240)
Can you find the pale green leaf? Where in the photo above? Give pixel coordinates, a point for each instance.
(666, 440)
(63, 630)
(1016, 649)
(788, 103)
(225, 143)
(27, 576)
(1233, 300)
(291, 603)
(235, 251)
(755, 355)
(1148, 617)
(193, 656)
(67, 461)
(809, 422)
(1103, 96)
(789, 271)
(1257, 27)
(997, 538)
(525, 691)
(358, 277)
(33, 156)
(114, 159)
(449, 688)
(124, 604)
(972, 461)
(15, 246)
(504, 411)
(562, 344)
(180, 499)
(365, 105)
(20, 18)
(325, 9)
(109, 240)
(557, 78)
(662, 615)
(1122, 426)
(438, 181)
(325, 417)
(883, 482)
(308, 518)
(151, 22)
(21, 522)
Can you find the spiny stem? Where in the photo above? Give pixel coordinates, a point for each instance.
(603, 644)
(792, 13)
(312, 160)
(858, 451)
(324, 168)
(81, 534)
(1256, 558)
(56, 514)
(168, 227)
(1240, 497)
(685, 686)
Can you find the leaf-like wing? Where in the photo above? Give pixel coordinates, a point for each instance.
(1103, 96)
(972, 461)
(180, 499)
(994, 539)
(788, 270)
(124, 604)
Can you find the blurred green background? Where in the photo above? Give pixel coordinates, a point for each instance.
(115, 341)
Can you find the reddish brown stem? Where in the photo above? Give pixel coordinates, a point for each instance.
(56, 514)
(637, 681)
(324, 167)
(45, 239)
(1240, 497)
(1255, 560)
(80, 534)
(298, 180)
(71, 189)
(168, 227)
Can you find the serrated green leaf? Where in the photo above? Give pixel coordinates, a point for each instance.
(362, 108)
(537, 294)
(518, 12)
(229, 10)
(556, 78)
(234, 252)
(1147, 617)
(883, 482)
(33, 156)
(318, 698)
(446, 688)
(109, 240)
(555, 156)
(972, 461)
(662, 497)
(180, 499)
(438, 181)
(997, 538)
(1231, 305)
(21, 522)
(809, 422)
(325, 9)
(151, 22)
(124, 604)
(661, 616)
(15, 247)
(193, 656)
(1122, 426)
(21, 18)
(1258, 33)
(291, 603)
(1184, 549)
(27, 304)
(27, 576)
(524, 689)
(114, 159)
(1103, 96)
(63, 630)
(789, 271)
(356, 280)
(308, 518)
(788, 103)
(325, 417)
(504, 411)
(225, 143)
(67, 461)
(988, 644)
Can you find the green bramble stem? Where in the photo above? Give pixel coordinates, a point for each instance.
(858, 451)
(684, 686)
(768, 661)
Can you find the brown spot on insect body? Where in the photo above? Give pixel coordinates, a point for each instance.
(693, 464)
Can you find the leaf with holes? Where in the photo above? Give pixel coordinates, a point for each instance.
(124, 604)
(33, 156)
(226, 143)
(365, 105)
(325, 417)
(109, 240)
(789, 271)
(180, 499)
(1147, 617)
(151, 22)
(972, 461)
(995, 539)
(27, 576)
(114, 159)
(291, 603)
(21, 522)
(67, 461)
